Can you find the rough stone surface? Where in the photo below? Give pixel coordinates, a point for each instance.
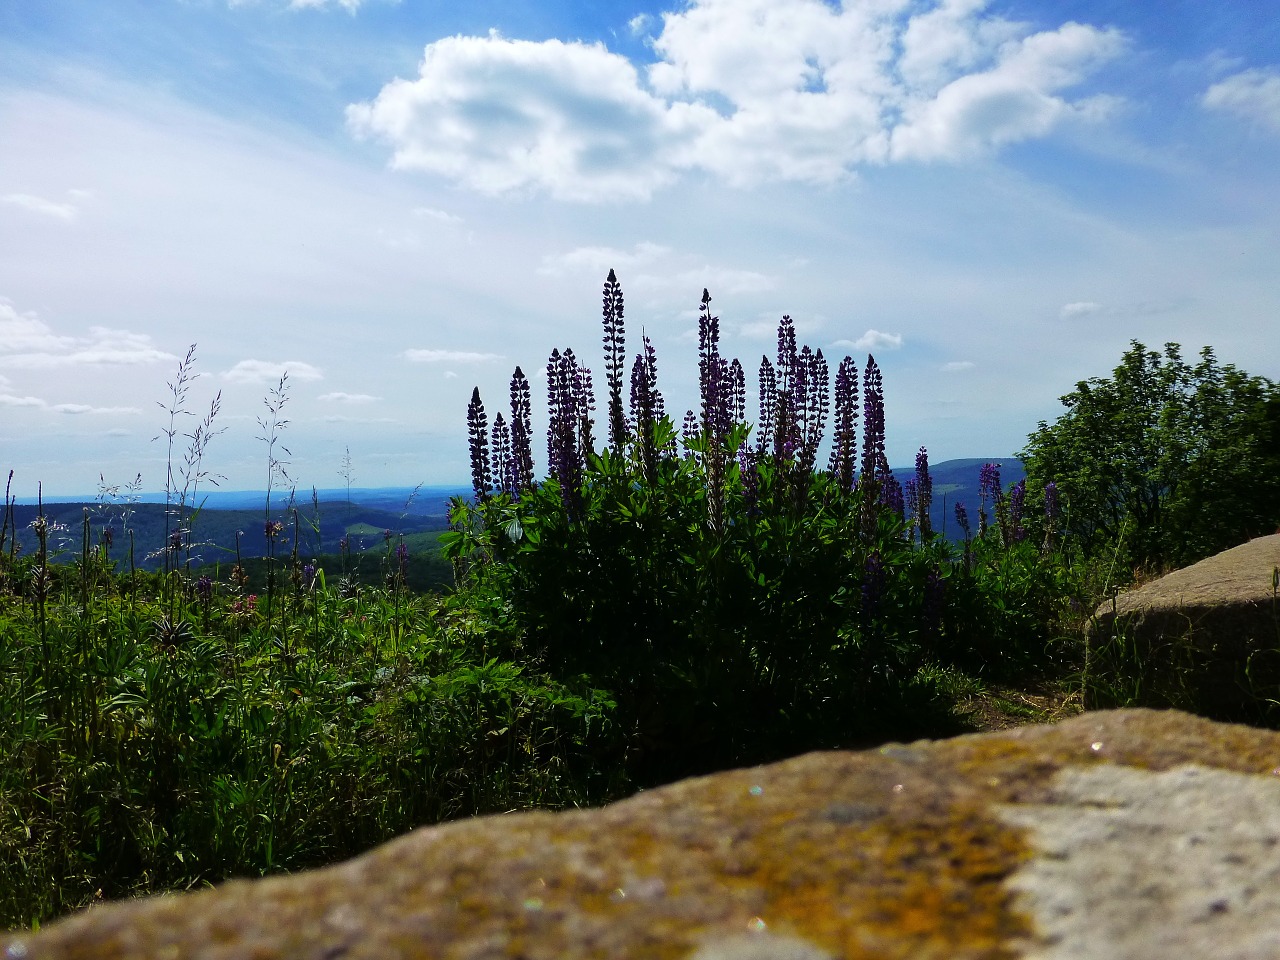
(1126, 834)
(1206, 637)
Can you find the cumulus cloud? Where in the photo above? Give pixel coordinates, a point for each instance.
(743, 90)
(1082, 308)
(27, 342)
(266, 371)
(47, 208)
(450, 356)
(1251, 94)
(73, 409)
(599, 260)
(873, 340)
(339, 397)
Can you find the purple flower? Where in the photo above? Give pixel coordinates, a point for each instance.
(521, 431)
(505, 472)
(923, 494)
(1017, 499)
(614, 359)
(272, 529)
(204, 589)
(402, 555)
(308, 575)
(989, 483)
(962, 518)
(478, 440)
(873, 418)
(1051, 500)
(844, 437)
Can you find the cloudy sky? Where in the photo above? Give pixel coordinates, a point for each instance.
(395, 202)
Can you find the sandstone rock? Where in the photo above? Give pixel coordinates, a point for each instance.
(1204, 638)
(1131, 834)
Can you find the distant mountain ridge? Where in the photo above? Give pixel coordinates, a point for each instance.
(371, 512)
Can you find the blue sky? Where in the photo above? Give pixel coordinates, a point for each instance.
(397, 201)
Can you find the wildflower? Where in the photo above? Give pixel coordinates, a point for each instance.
(309, 575)
(844, 437)
(923, 494)
(175, 540)
(204, 589)
(614, 359)
(873, 413)
(1051, 500)
(1017, 498)
(386, 536)
(962, 518)
(521, 431)
(478, 439)
(272, 529)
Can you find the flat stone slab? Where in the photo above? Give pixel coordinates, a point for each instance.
(1124, 834)
(1242, 574)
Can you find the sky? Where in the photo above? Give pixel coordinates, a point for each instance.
(395, 202)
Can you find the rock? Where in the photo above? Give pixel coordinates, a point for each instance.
(1130, 834)
(1205, 638)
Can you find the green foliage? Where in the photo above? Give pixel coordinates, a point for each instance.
(738, 604)
(1165, 462)
(160, 733)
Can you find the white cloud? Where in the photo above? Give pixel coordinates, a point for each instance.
(1011, 101)
(450, 356)
(339, 397)
(47, 208)
(600, 260)
(873, 340)
(957, 366)
(339, 418)
(441, 216)
(766, 328)
(266, 371)
(507, 116)
(744, 90)
(27, 342)
(9, 400)
(1251, 94)
(1082, 308)
(639, 24)
(351, 6)
(74, 409)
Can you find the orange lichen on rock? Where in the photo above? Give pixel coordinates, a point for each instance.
(906, 851)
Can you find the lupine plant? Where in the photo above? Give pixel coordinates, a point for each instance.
(736, 600)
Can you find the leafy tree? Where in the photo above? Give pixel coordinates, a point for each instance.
(1166, 462)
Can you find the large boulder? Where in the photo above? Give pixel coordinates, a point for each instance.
(1129, 834)
(1205, 638)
